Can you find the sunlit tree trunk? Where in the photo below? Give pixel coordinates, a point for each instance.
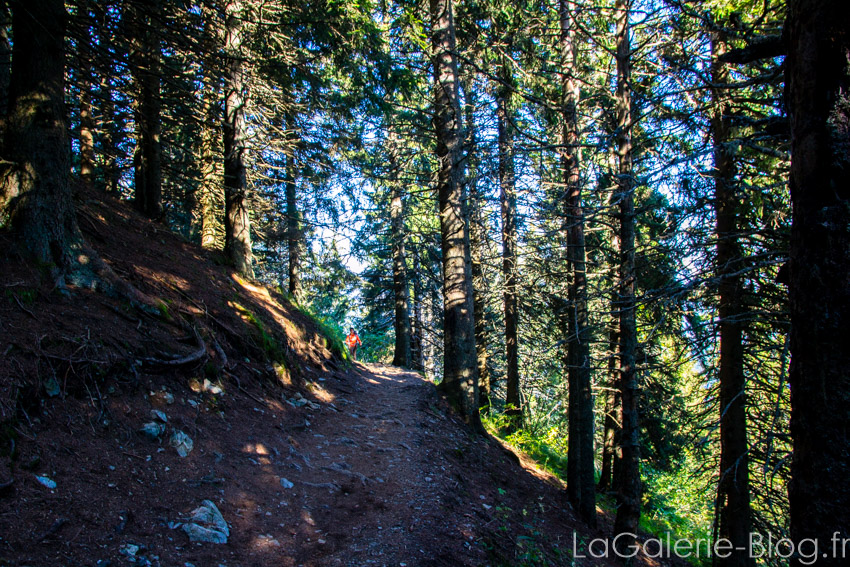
(460, 371)
(86, 84)
(35, 191)
(210, 200)
(629, 485)
(817, 87)
(733, 491)
(145, 56)
(237, 222)
(112, 133)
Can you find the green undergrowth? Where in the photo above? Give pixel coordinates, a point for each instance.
(675, 502)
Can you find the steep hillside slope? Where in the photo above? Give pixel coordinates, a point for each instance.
(310, 460)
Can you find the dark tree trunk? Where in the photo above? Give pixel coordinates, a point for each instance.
(293, 228)
(35, 191)
(610, 427)
(146, 55)
(629, 489)
(507, 199)
(401, 293)
(733, 491)
(818, 83)
(417, 347)
(581, 481)
(460, 371)
(5, 61)
(237, 222)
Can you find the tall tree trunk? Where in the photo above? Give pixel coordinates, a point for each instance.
(401, 293)
(417, 346)
(86, 83)
(237, 223)
(629, 489)
(818, 83)
(477, 231)
(293, 228)
(5, 61)
(460, 371)
(733, 491)
(610, 427)
(507, 199)
(112, 132)
(146, 56)
(581, 481)
(210, 197)
(35, 191)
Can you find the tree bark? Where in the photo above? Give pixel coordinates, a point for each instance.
(237, 222)
(5, 61)
(612, 404)
(145, 56)
(507, 200)
(817, 87)
(417, 346)
(629, 489)
(733, 491)
(293, 228)
(581, 481)
(86, 83)
(477, 232)
(210, 197)
(401, 293)
(460, 371)
(35, 190)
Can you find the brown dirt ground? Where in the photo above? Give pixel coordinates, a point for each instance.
(382, 472)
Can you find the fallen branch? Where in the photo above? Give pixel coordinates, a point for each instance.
(21, 305)
(337, 468)
(331, 486)
(52, 529)
(190, 358)
(241, 389)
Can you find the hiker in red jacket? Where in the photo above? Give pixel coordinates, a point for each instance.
(353, 341)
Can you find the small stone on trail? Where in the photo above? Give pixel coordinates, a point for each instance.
(285, 483)
(158, 415)
(47, 482)
(152, 430)
(129, 549)
(207, 524)
(182, 442)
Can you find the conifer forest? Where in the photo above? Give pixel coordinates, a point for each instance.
(596, 254)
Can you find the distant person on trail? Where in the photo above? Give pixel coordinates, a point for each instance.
(353, 341)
